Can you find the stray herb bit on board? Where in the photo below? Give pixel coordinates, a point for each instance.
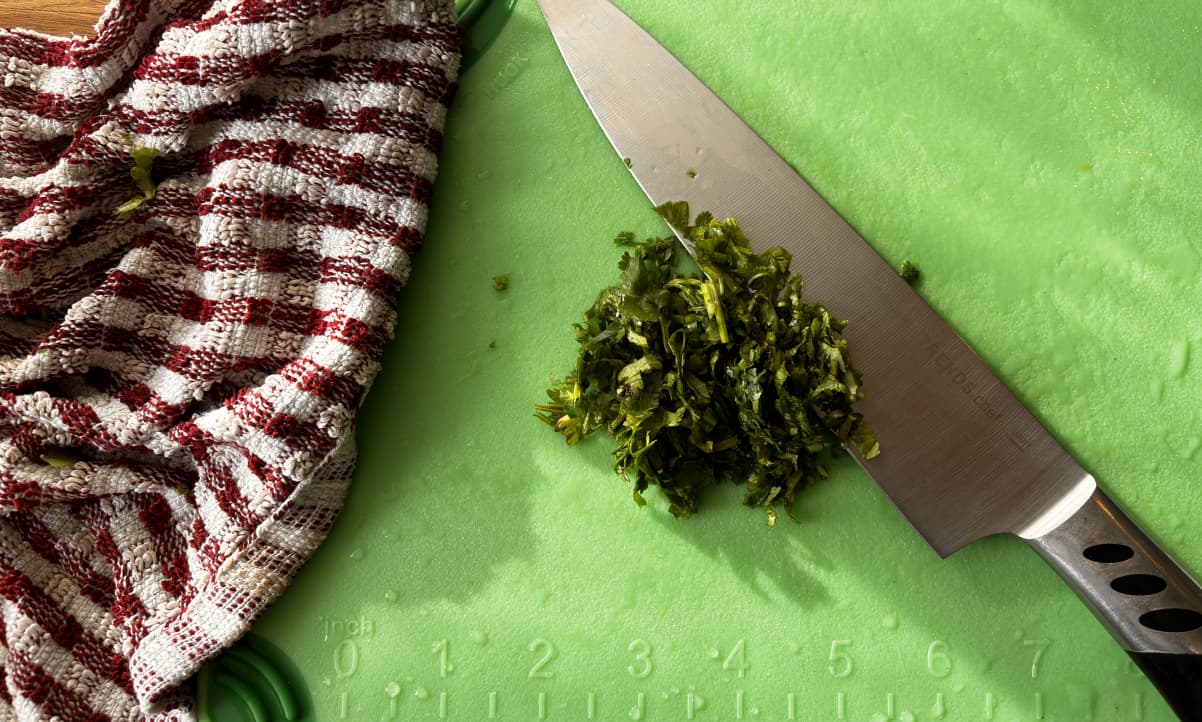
(725, 376)
(500, 282)
(910, 273)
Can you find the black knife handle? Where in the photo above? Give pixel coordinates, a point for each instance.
(1149, 603)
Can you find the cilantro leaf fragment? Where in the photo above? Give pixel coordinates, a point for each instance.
(60, 457)
(909, 272)
(500, 282)
(730, 375)
(142, 175)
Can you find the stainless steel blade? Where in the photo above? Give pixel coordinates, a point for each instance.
(961, 457)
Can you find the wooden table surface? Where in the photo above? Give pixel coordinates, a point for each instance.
(57, 17)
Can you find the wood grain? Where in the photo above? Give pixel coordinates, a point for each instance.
(56, 17)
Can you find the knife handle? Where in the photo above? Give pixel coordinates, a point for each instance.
(1149, 603)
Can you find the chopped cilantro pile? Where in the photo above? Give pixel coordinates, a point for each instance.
(725, 376)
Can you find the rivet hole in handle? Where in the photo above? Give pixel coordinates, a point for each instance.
(1143, 584)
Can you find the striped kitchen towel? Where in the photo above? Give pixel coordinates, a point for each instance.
(206, 211)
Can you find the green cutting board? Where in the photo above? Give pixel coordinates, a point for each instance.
(1037, 159)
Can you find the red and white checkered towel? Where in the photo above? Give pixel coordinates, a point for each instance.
(178, 388)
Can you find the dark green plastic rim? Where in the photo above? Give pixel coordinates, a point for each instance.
(482, 21)
(253, 681)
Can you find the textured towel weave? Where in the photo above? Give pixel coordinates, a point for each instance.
(192, 371)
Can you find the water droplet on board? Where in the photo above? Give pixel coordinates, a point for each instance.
(392, 689)
(421, 693)
(358, 554)
(1178, 359)
(890, 621)
(390, 596)
(478, 637)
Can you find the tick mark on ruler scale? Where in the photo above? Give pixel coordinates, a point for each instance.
(990, 705)
(393, 691)
(640, 706)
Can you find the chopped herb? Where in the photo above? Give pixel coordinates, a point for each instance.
(692, 174)
(501, 282)
(61, 457)
(909, 272)
(725, 376)
(628, 163)
(492, 344)
(142, 175)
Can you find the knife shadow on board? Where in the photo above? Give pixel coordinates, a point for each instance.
(780, 563)
(848, 568)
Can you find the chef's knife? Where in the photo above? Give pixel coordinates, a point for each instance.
(961, 457)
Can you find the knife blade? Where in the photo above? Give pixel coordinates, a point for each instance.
(961, 457)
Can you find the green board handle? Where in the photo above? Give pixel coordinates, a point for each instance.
(253, 681)
(482, 21)
(1149, 603)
